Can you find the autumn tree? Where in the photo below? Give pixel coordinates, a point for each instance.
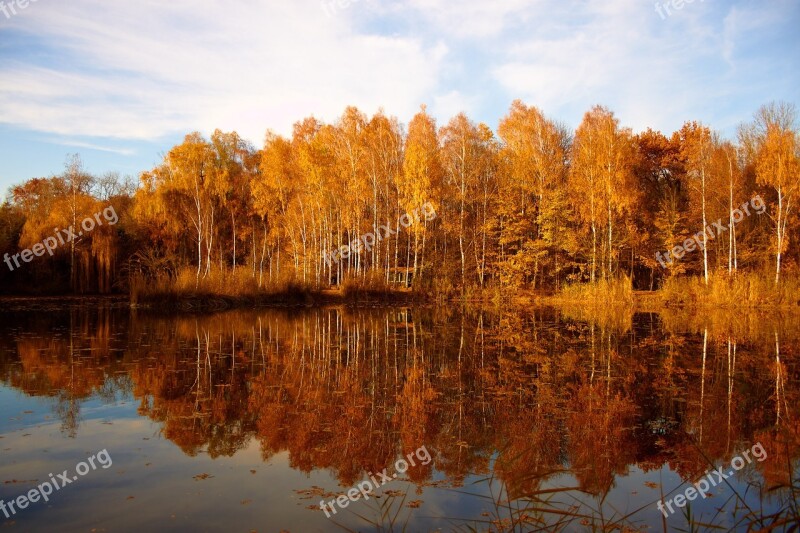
(524, 209)
(315, 161)
(726, 164)
(696, 145)
(78, 183)
(58, 205)
(187, 173)
(466, 156)
(661, 218)
(534, 155)
(349, 148)
(772, 141)
(235, 170)
(275, 193)
(422, 175)
(602, 172)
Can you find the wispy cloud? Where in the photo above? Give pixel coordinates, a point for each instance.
(146, 69)
(152, 69)
(650, 71)
(96, 147)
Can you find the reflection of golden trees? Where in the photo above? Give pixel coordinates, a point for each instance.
(601, 428)
(352, 390)
(601, 415)
(199, 393)
(72, 361)
(416, 416)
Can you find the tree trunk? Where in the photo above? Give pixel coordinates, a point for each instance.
(781, 228)
(233, 222)
(705, 225)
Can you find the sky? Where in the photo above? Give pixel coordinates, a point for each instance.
(121, 82)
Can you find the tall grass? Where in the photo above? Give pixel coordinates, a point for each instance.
(227, 285)
(374, 284)
(742, 290)
(603, 292)
(221, 289)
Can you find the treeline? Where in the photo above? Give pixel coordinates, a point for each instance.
(533, 205)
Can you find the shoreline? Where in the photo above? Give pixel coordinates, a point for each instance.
(642, 301)
(213, 302)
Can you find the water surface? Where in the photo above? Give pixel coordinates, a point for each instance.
(535, 420)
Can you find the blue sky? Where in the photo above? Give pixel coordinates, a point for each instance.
(121, 82)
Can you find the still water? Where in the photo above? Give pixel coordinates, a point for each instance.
(531, 420)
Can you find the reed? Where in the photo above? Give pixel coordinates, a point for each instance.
(603, 292)
(750, 290)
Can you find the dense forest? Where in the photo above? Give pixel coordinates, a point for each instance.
(533, 205)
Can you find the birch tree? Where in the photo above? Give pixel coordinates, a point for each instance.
(422, 174)
(696, 145)
(773, 143)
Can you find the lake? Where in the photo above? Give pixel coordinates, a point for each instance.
(536, 419)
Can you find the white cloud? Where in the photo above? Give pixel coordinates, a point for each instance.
(150, 69)
(95, 147)
(142, 70)
(649, 71)
(474, 18)
(448, 105)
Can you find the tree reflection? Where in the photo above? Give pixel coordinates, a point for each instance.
(523, 397)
